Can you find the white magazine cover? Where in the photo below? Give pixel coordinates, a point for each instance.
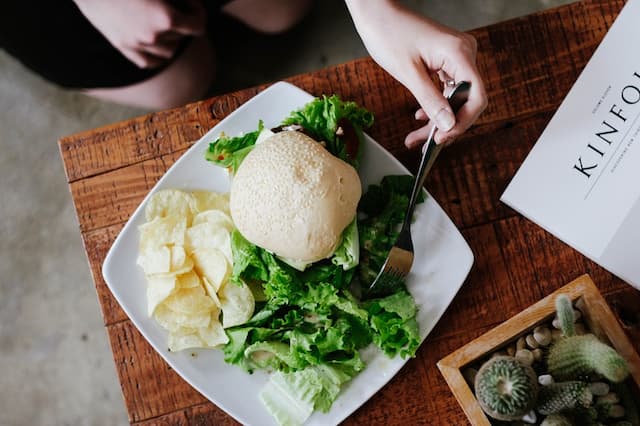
(581, 181)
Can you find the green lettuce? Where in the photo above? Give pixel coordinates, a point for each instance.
(292, 397)
(229, 152)
(322, 117)
(347, 254)
(308, 327)
(393, 319)
(382, 209)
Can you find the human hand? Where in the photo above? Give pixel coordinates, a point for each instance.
(147, 32)
(411, 48)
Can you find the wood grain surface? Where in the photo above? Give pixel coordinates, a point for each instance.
(528, 65)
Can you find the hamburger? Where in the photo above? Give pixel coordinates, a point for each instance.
(294, 198)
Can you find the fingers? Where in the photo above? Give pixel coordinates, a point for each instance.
(465, 70)
(169, 26)
(163, 50)
(418, 137)
(142, 59)
(472, 109)
(432, 101)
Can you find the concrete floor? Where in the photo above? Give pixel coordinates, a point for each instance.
(55, 361)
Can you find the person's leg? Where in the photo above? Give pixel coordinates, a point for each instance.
(268, 16)
(191, 74)
(185, 80)
(62, 46)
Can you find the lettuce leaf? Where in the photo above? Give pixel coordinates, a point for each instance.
(322, 117)
(382, 209)
(229, 152)
(393, 319)
(292, 397)
(247, 262)
(347, 254)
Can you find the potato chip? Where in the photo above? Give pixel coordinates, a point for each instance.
(205, 200)
(185, 252)
(155, 260)
(158, 289)
(213, 335)
(170, 202)
(188, 280)
(210, 236)
(180, 263)
(177, 321)
(237, 304)
(189, 301)
(178, 341)
(163, 231)
(216, 217)
(211, 291)
(178, 257)
(212, 265)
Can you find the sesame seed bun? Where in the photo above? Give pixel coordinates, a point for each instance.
(294, 198)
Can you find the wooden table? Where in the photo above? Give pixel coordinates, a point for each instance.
(528, 65)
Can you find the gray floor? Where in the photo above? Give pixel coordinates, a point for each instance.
(56, 365)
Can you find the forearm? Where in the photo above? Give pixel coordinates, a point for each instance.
(367, 13)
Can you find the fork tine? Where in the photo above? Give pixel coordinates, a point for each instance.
(397, 273)
(387, 280)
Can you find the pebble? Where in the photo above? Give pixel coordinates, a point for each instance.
(616, 411)
(537, 354)
(576, 315)
(599, 388)
(542, 335)
(531, 341)
(525, 357)
(611, 398)
(580, 329)
(511, 350)
(530, 417)
(545, 379)
(521, 343)
(556, 323)
(498, 353)
(556, 335)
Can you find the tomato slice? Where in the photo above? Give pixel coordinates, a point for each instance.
(350, 138)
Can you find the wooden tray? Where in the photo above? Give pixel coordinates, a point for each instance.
(597, 316)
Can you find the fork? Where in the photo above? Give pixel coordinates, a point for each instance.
(400, 258)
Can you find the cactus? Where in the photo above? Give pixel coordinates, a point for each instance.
(506, 389)
(577, 356)
(563, 396)
(556, 420)
(564, 312)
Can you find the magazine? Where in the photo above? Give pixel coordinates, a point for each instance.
(581, 181)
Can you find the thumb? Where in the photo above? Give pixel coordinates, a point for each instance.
(433, 103)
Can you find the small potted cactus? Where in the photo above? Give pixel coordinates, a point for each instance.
(506, 389)
(557, 363)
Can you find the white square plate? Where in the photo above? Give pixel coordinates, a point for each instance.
(442, 261)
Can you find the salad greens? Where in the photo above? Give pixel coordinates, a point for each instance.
(229, 152)
(322, 118)
(309, 327)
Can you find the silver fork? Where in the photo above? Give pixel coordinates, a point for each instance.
(400, 258)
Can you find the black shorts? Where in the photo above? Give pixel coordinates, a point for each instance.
(56, 41)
